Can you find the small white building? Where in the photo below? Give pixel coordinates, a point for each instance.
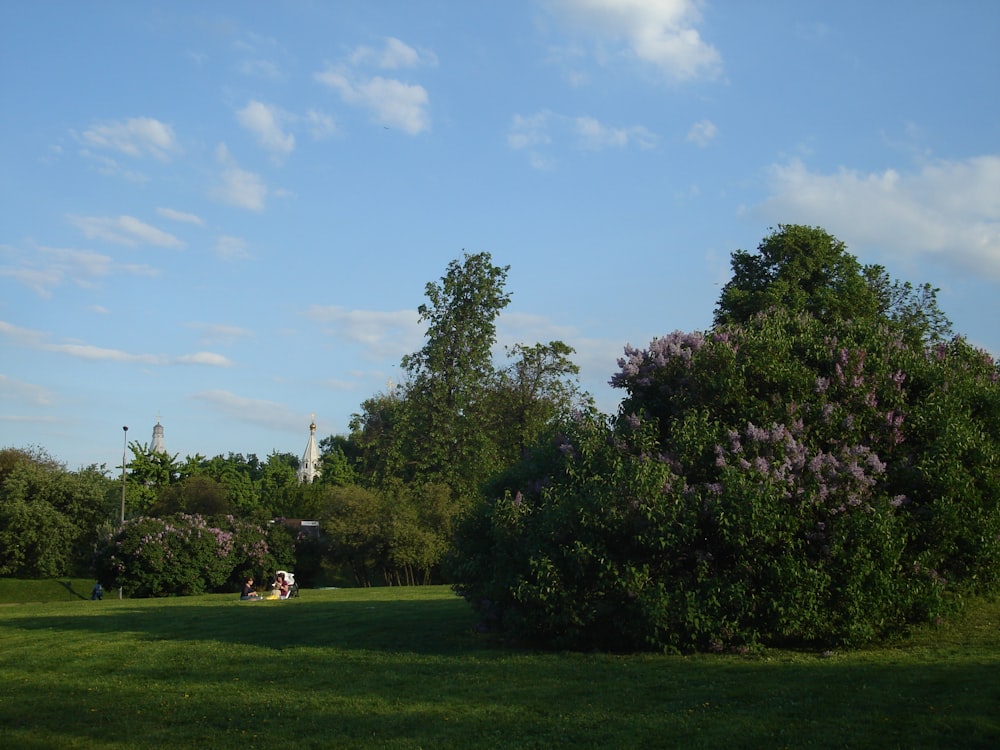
(158, 446)
(309, 468)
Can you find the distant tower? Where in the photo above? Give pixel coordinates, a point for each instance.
(157, 445)
(309, 468)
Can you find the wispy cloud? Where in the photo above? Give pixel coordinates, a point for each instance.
(136, 136)
(391, 102)
(594, 135)
(257, 56)
(270, 414)
(25, 393)
(380, 334)
(527, 131)
(237, 186)
(534, 133)
(39, 340)
(180, 216)
(124, 230)
(219, 334)
(109, 167)
(702, 133)
(42, 269)
(661, 33)
(948, 209)
(320, 125)
(392, 55)
(265, 121)
(231, 248)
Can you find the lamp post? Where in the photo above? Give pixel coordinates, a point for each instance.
(124, 448)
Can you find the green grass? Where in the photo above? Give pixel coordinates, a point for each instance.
(17, 591)
(402, 668)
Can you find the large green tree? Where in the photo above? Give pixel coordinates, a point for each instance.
(813, 469)
(50, 517)
(449, 377)
(798, 269)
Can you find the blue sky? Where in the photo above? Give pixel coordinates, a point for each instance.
(225, 214)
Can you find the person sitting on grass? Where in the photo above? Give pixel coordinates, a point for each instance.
(248, 592)
(281, 585)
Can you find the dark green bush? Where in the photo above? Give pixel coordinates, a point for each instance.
(779, 481)
(188, 554)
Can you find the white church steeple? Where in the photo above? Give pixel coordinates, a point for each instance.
(309, 468)
(158, 445)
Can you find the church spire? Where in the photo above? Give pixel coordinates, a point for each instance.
(158, 446)
(309, 467)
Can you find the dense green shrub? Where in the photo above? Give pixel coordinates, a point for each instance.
(49, 517)
(188, 554)
(784, 478)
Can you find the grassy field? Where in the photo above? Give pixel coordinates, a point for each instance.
(402, 668)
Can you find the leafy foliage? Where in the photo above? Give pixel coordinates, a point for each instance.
(446, 409)
(813, 470)
(188, 554)
(49, 517)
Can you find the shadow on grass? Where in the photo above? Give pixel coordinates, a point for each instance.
(72, 591)
(436, 626)
(541, 701)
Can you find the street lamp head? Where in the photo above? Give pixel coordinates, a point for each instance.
(125, 428)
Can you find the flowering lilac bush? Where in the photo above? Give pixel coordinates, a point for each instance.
(186, 554)
(782, 480)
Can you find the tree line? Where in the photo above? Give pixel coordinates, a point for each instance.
(388, 494)
(821, 466)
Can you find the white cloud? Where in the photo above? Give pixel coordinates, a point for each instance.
(204, 358)
(22, 336)
(49, 267)
(124, 230)
(534, 132)
(529, 131)
(702, 133)
(381, 334)
(237, 186)
(109, 167)
(662, 33)
(39, 280)
(265, 122)
(231, 248)
(39, 340)
(393, 54)
(391, 102)
(136, 136)
(257, 53)
(251, 410)
(320, 125)
(181, 216)
(25, 393)
(947, 209)
(595, 135)
(215, 334)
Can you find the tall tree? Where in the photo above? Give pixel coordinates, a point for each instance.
(149, 472)
(799, 269)
(450, 376)
(533, 391)
(911, 310)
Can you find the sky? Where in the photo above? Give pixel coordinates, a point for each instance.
(223, 215)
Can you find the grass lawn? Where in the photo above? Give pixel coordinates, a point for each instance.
(402, 668)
